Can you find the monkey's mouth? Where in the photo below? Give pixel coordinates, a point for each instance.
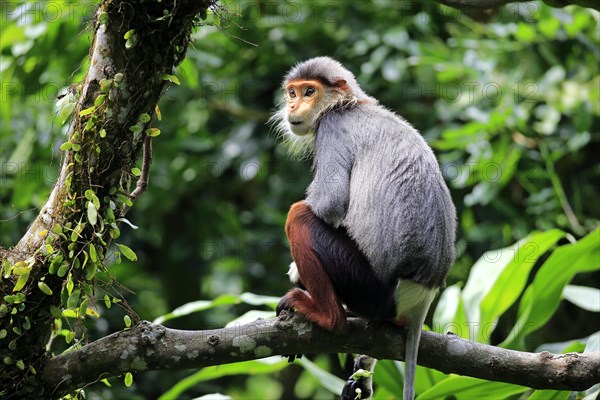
(295, 122)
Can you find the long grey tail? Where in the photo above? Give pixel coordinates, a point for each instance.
(413, 337)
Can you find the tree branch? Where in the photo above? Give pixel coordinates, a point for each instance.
(486, 10)
(149, 346)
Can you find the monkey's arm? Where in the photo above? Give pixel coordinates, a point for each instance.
(329, 193)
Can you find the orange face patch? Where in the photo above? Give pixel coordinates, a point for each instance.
(301, 93)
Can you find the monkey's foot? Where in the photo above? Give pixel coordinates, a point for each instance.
(360, 385)
(300, 301)
(356, 390)
(286, 304)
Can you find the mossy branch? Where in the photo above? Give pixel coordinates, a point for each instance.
(149, 346)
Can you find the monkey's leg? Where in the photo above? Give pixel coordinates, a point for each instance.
(360, 384)
(319, 302)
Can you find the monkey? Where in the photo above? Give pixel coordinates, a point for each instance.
(376, 230)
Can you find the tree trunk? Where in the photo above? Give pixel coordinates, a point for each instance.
(51, 271)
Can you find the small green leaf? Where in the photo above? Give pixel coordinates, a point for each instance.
(135, 128)
(73, 299)
(153, 132)
(83, 308)
(136, 171)
(90, 124)
(70, 284)
(93, 254)
(69, 313)
(129, 34)
(102, 133)
(102, 18)
(55, 264)
(66, 146)
(56, 228)
(144, 118)
(55, 312)
(44, 288)
(75, 146)
(99, 100)
(127, 252)
(171, 78)
(3, 333)
(128, 379)
(87, 111)
(21, 282)
(127, 320)
(62, 271)
(131, 42)
(92, 213)
(105, 85)
(69, 336)
(21, 269)
(6, 267)
(90, 271)
(66, 105)
(107, 302)
(21, 365)
(77, 231)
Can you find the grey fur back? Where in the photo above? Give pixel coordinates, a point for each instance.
(376, 176)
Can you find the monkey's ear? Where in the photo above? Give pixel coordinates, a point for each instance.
(342, 84)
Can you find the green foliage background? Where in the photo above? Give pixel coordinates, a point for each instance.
(510, 107)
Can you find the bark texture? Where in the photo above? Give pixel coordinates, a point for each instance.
(149, 346)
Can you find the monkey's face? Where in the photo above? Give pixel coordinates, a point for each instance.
(305, 101)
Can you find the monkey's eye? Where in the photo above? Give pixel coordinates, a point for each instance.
(292, 93)
(310, 91)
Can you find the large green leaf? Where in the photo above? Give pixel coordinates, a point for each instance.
(513, 278)
(542, 297)
(254, 367)
(550, 395)
(584, 297)
(484, 274)
(447, 306)
(593, 343)
(388, 375)
(497, 279)
(226, 299)
(467, 388)
(327, 380)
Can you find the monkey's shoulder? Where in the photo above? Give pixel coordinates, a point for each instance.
(368, 128)
(367, 117)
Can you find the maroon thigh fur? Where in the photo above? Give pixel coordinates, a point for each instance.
(318, 302)
(333, 271)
